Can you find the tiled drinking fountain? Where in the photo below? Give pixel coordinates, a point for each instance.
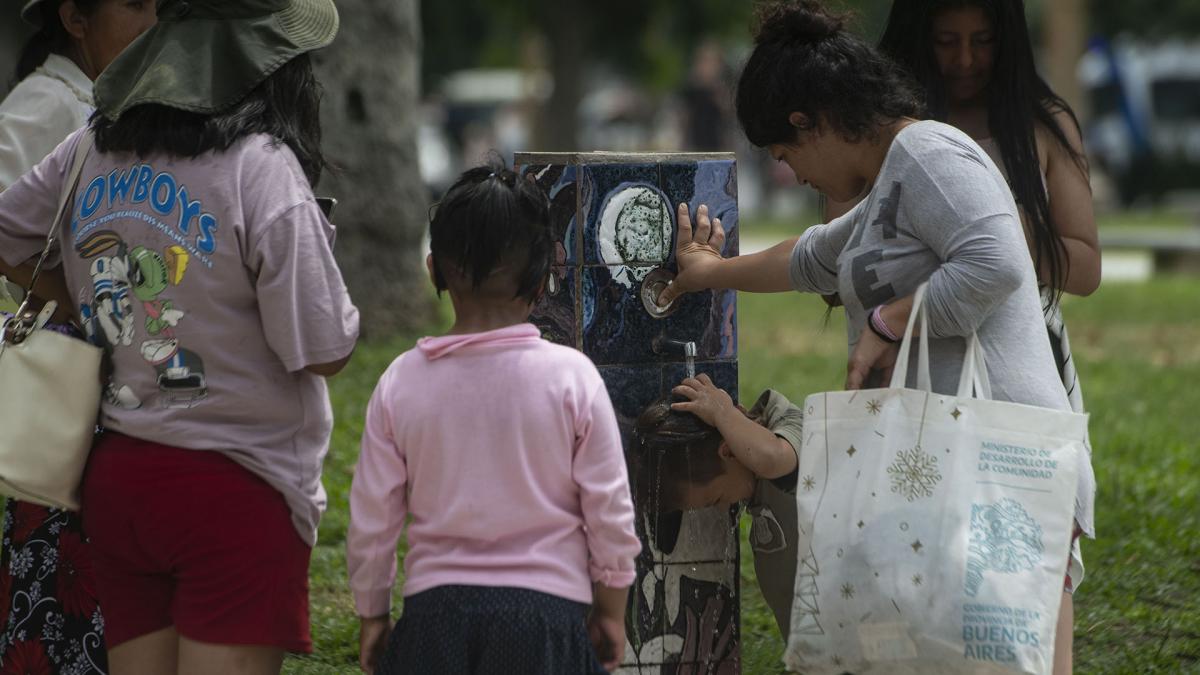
(614, 218)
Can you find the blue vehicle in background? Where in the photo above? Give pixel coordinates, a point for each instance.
(1144, 128)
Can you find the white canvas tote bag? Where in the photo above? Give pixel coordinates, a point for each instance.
(935, 529)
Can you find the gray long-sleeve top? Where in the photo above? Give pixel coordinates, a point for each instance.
(941, 211)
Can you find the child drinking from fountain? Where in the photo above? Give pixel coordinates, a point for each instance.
(705, 451)
(505, 451)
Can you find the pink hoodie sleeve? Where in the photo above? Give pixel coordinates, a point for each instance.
(377, 509)
(599, 471)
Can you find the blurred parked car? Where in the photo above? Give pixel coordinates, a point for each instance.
(1145, 122)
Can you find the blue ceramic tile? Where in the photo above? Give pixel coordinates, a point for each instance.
(687, 571)
(559, 183)
(556, 314)
(710, 319)
(617, 328)
(628, 217)
(631, 389)
(711, 182)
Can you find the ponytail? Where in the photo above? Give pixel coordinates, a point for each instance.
(805, 60)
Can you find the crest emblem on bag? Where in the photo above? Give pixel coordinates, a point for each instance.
(1004, 538)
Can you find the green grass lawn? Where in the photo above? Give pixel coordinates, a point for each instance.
(1138, 350)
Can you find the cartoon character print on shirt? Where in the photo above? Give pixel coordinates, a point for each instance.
(862, 266)
(146, 274)
(107, 316)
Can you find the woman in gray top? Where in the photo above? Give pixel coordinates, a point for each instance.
(936, 209)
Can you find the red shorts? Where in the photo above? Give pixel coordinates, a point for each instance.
(190, 539)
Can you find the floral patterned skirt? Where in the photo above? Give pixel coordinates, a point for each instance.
(50, 621)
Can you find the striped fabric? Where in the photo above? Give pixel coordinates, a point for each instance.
(1085, 494)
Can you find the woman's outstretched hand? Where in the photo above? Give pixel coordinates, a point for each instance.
(697, 253)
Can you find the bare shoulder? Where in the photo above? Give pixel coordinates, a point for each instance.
(1050, 150)
(1067, 124)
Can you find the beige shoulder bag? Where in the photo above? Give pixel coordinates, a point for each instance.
(49, 391)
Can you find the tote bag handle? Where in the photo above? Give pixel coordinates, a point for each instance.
(972, 382)
(900, 371)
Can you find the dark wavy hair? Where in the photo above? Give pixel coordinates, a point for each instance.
(804, 60)
(50, 38)
(285, 106)
(672, 449)
(1018, 99)
(489, 218)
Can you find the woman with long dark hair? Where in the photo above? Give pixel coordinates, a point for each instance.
(48, 608)
(931, 208)
(975, 64)
(974, 61)
(198, 259)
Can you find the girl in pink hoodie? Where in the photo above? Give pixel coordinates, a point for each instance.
(504, 450)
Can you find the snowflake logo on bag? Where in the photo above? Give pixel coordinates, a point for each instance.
(1004, 538)
(914, 473)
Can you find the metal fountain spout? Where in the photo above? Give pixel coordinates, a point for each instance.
(661, 344)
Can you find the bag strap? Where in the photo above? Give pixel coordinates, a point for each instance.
(900, 371)
(974, 382)
(86, 140)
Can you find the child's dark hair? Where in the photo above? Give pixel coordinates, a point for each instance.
(488, 219)
(672, 449)
(805, 61)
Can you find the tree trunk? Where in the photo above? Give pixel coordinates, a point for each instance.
(1065, 40)
(370, 116)
(563, 23)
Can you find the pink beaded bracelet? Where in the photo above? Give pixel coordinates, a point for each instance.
(879, 326)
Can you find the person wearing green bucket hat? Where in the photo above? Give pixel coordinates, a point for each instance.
(197, 257)
(205, 55)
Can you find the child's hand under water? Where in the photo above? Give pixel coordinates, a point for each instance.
(704, 399)
(755, 447)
